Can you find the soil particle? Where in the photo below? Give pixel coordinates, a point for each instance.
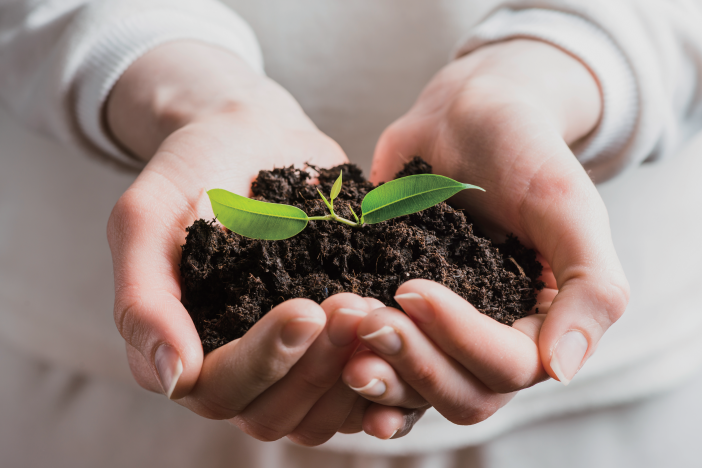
(229, 282)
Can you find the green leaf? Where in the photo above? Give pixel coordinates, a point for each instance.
(336, 188)
(256, 219)
(408, 195)
(326, 202)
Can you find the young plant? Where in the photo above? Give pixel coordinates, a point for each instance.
(274, 221)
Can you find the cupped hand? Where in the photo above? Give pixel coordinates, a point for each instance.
(211, 122)
(501, 118)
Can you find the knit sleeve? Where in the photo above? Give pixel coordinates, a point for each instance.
(59, 59)
(646, 56)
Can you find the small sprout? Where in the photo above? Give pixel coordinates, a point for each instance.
(273, 221)
(354, 215)
(336, 188)
(329, 205)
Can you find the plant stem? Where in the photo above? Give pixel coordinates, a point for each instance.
(345, 221)
(334, 217)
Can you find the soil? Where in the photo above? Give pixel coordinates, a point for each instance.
(229, 282)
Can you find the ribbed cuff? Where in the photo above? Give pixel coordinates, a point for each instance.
(115, 49)
(592, 46)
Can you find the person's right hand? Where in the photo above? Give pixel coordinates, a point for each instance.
(211, 122)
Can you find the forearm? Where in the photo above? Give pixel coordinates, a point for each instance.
(185, 82)
(173, 85)
(59, 60)
(645, 55)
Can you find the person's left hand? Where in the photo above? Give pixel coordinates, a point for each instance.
(500, 118)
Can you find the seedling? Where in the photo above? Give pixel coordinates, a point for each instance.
(273, 221)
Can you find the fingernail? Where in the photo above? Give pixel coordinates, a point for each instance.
(568, 355)
(391, 436)
(169, 368)
(416, 307)
(386, 340)
(299, 330)
(342, 326)
(374, 388)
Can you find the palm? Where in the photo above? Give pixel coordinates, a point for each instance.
(170, 193)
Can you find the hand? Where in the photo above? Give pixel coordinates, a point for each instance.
(501, 118)
(209, 121)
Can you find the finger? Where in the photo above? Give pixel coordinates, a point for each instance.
(373, 378)
(235, 374)
(354, 421)
(373, 303)
(544, 299)
(389, 422)
(441, 380)
(141, 370)
(326, 417)
(531, 326)
(547, 273)
(281, 408)
(148, 313)
(501, 357)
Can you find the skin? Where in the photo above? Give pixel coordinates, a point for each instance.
(202, 119)
(501, 118)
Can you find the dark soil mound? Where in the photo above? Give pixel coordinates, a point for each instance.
(230, 281)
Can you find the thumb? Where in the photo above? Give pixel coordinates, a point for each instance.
(165, 353)
(566, 219)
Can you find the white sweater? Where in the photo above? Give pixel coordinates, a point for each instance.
(354, 67)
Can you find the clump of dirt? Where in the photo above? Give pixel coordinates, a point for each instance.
(229, 282)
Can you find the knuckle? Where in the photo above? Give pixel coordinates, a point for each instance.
(310, 437)
(211, 408)
(351, 428)
(470, 416)
(422, 376)
(127, 319)
(614, 294)
(509, 384)
(619, 298)
(269, 370)
(264, 431)
(141, 370)
(317, 382)
(607, 290)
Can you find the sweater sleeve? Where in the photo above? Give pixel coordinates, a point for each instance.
(646, 56)
(59, 59)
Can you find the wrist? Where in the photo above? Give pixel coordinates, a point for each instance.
(174, 85)
(538, 75)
